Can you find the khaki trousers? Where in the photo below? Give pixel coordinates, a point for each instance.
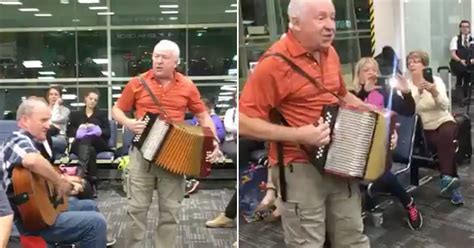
(318, 202)
(170, 190)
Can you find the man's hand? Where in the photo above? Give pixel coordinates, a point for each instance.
(215, 154)
(314, 135)
(135, 126)
(463, 62)
(63, 187)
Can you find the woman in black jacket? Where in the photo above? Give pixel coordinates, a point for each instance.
(400, 101)
(91, 130)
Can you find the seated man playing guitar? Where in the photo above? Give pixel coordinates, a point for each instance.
(19, 156)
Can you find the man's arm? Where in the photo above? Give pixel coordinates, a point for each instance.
(36, 163)
(353, 100)
(205, 120)
(257, 128)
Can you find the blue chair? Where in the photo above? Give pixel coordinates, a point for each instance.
(109, 156)
(126, 143)
(6, 128)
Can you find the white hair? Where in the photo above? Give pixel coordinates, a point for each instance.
(168, 46)
(297, 9)
(28, 106)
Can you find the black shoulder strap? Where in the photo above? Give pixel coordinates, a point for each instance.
(153, 97)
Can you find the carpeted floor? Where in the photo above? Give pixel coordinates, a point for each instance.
(200, 207)
(445, 226)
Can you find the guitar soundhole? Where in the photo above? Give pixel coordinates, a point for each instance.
(52, 195)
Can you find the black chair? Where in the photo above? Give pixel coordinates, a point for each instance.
(402, 155)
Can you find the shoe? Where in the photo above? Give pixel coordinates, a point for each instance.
(456, 197)
(110, 240)
(415, 220)
(447, 184)
(235, 244)
(220, 221)
(191, 186)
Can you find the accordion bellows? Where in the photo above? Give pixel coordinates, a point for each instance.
(176, 147)
(360, 143)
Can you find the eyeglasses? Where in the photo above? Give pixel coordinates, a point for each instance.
(414, 61)
(465, 26)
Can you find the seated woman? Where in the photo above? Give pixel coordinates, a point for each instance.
(365, 80)
(90, 127)
(59, 120)
(440, 129)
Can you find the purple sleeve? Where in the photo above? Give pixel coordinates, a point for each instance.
(81, 132)
(95, 131)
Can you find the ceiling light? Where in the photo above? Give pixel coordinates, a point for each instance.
(33, 64)
(116, 95)
(43, 15)
(230, 11)
(229, 87)
(105, 13)
(233, 5)
(78, 104)
(88, 1)
(105, 73)
(169, 12)
(169, 6)
(116, 88)
(69, 97)
(12, 2)
(226, 93)
(47, 73)
(173, 18)
(64, 1)
(76, 20)
(28, 9)
(223, 105)
(101, 61)
(98, 7)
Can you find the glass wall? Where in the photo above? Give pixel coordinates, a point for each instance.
(433, 30)
(259, 29)
(103, 43)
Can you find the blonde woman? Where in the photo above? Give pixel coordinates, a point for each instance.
(440, 129)
(365, 83)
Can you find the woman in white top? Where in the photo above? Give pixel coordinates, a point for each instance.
(440, 129)
(59, 119)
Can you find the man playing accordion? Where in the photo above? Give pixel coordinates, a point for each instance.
(175, 94)
(313, 201)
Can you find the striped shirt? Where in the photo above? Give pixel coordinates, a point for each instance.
(12, 151)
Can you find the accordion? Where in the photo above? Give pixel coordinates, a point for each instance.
(360, 143)
(176, 147)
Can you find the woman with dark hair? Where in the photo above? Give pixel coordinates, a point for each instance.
(59, 120)
(90, 127)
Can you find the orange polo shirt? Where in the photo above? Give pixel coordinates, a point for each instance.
(274, 84)
(175, 98)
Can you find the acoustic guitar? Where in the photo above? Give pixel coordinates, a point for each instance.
(39, 206)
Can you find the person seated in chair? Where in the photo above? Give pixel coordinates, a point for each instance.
(59, 119)
(91, 129)
(440, 129)
(365, 80)
(81, 224)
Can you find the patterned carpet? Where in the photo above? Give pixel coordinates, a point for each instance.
(200, 207)
(445, 226)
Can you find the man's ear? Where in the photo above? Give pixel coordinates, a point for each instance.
(295, 24)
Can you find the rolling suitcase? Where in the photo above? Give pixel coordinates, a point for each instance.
(464, 152)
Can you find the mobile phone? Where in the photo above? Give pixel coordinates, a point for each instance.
(428, 74)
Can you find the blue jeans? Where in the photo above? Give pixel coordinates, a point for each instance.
(82, 224)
